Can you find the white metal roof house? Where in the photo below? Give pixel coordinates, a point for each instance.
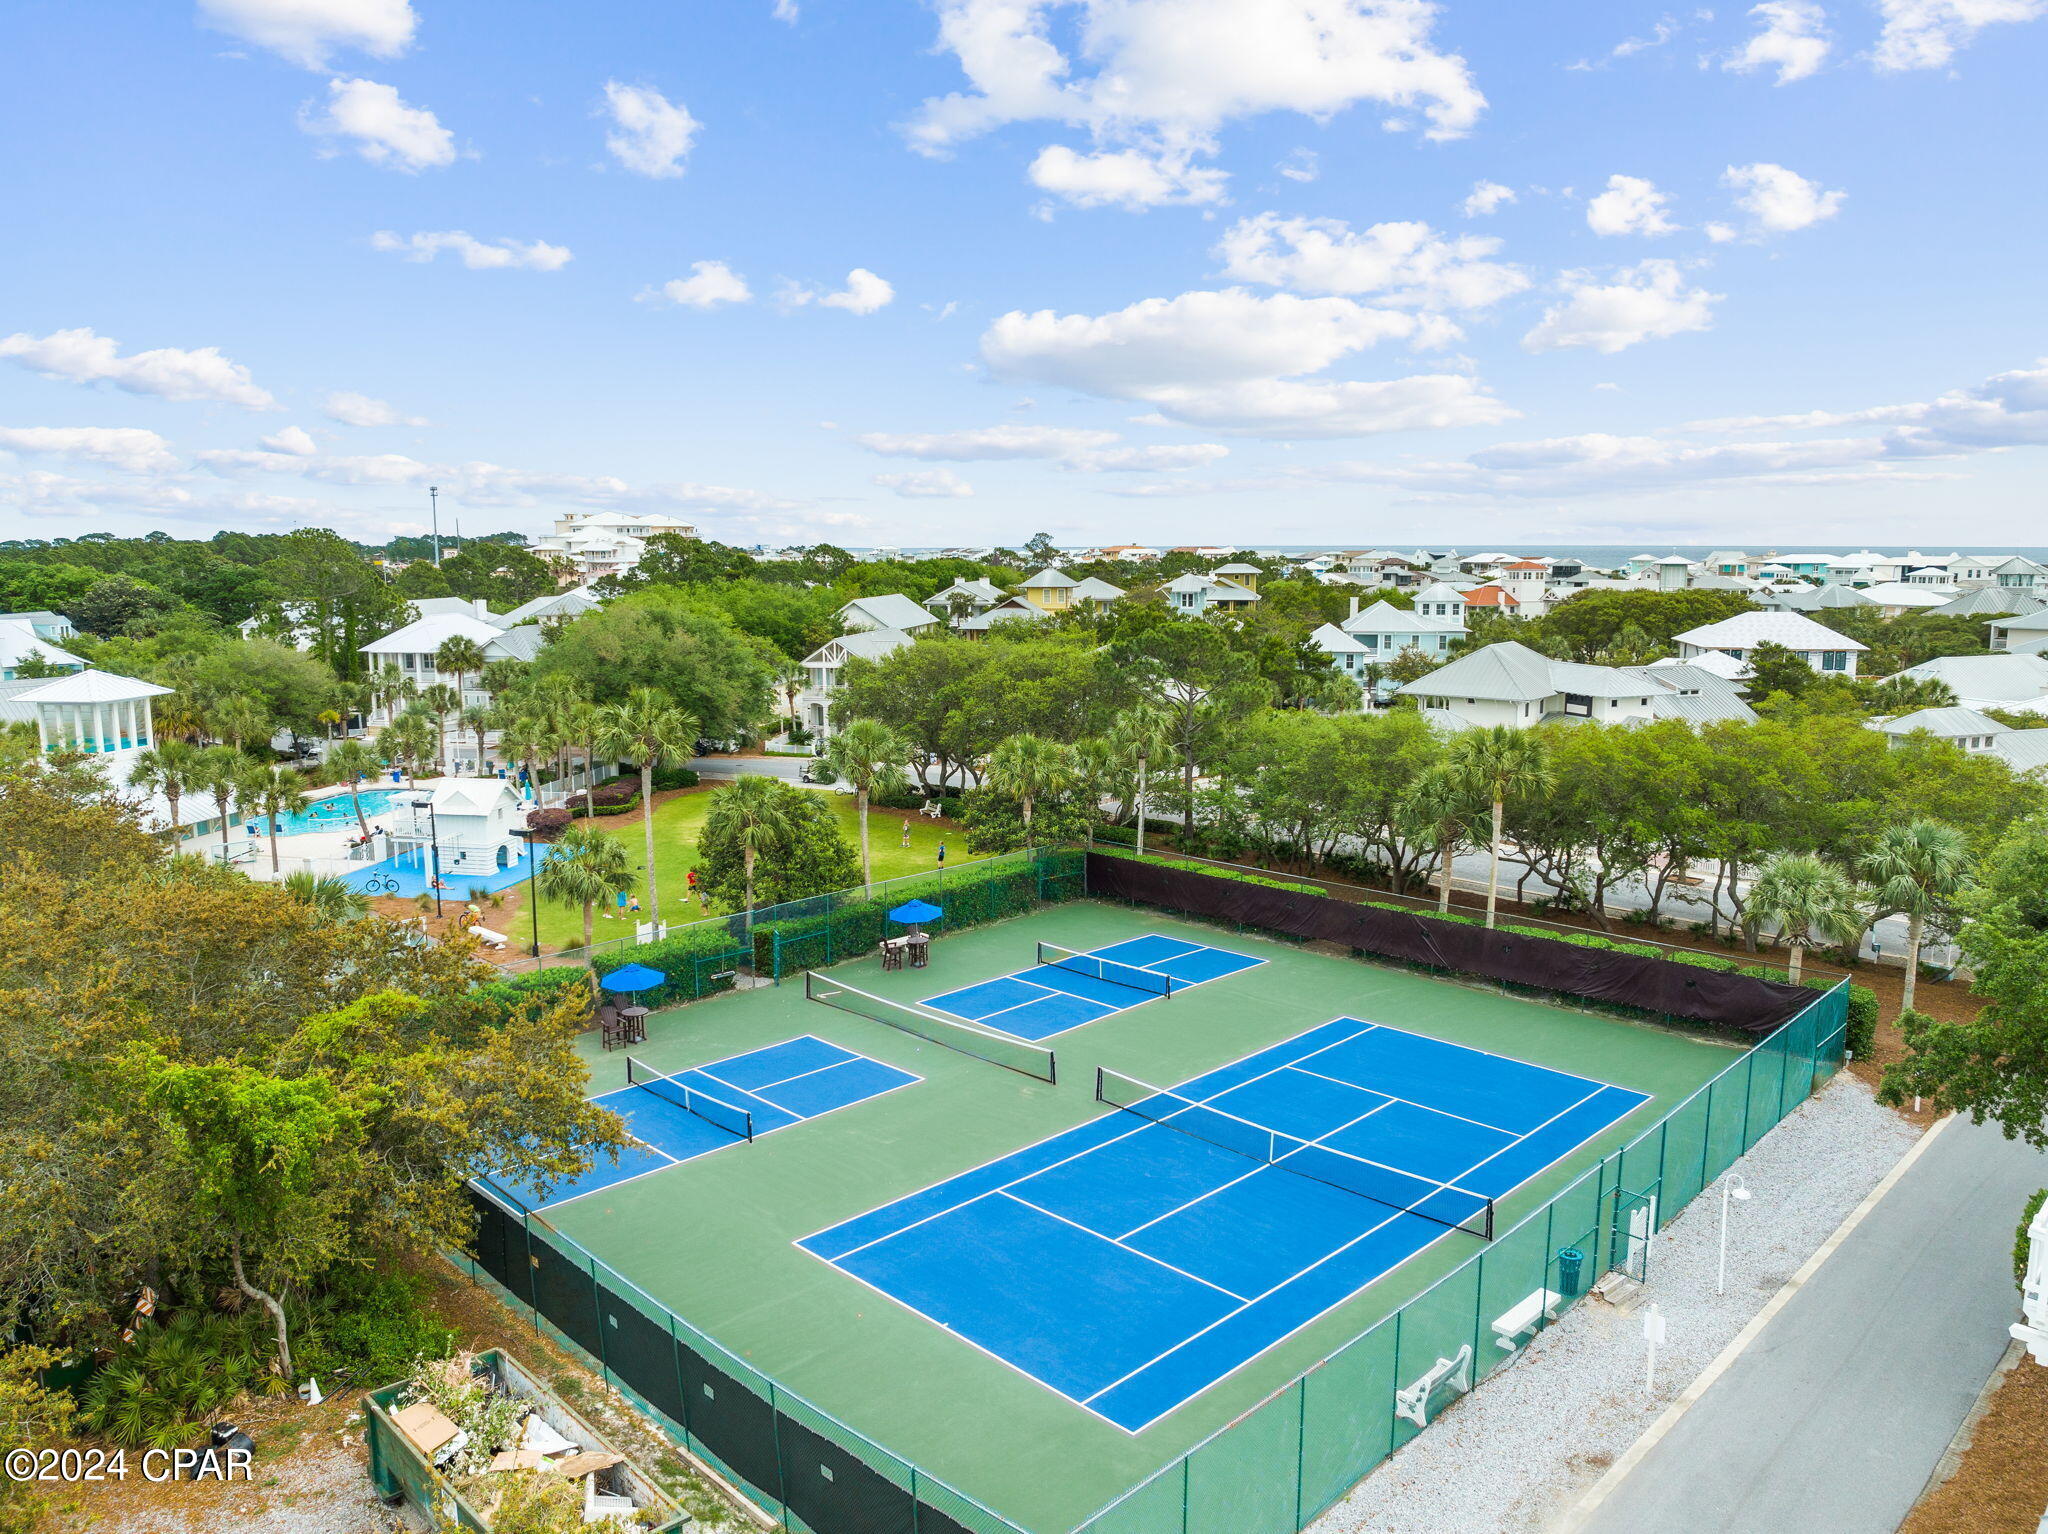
(471, 825)
(1812, 599)
(1192, 595)
(1896, 597)
(1511, 684)
(106, 717)
(1385, 630)
(2009, 681)
(1009, 610)
(412, 649)
(824, 664)
(47, 625)
(19, 641)
(1094, 593)
(1820, 647)
(2017, 633)
(560, 607)
(1959, 726)
(1992, 601)
(892, 611)
(972, 597)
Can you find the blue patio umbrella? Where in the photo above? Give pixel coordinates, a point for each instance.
(632, 977)
(914, 912)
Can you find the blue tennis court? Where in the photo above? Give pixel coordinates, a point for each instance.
(1132, 1262)
(677, 1118)
(1077, 988)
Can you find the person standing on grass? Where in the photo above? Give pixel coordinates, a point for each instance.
(906, 832)
(942, 854)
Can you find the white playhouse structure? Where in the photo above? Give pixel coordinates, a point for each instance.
(467, 827)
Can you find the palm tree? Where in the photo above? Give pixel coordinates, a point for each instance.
(410, 739)
(499, 677)
(1803, 898)
(441, 701)
(1495, 763)
(167, 768)
(239, 718)
(525, 738)
(1917, 868)
(587, 867)
(1441, 808)
(1027, 768)
(329, 896)
(273, 792)
(218, 772)
(350, 762)
(391, 687)
(460, 656)
(869, 756)
(1140, 734)
(580, 724)
(477, 719)
(756, 808)
(649, 728)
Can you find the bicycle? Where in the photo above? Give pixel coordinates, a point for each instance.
(380, 884)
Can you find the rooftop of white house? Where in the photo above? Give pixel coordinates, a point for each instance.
(1745, 631)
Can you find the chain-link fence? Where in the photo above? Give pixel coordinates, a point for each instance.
(1273, 1469)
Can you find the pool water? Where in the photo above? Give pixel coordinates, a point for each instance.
(334, 814)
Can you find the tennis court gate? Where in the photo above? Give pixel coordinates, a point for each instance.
(1274, 1468)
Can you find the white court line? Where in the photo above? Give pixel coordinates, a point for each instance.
(1411, 1102)
(1099, 1236)
(671, 1161)
(1258, 1168)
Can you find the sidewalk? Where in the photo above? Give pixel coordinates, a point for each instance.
(1834, 1416)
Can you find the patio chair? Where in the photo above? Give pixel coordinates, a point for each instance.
(611, 1027)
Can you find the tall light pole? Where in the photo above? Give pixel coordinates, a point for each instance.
(1141, 804)
(434, 842)
(434, 501)
(1738, 1190)
(532, 893)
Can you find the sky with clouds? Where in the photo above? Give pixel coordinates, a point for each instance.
(1355, 272)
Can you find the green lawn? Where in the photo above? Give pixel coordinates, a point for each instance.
(677, 823)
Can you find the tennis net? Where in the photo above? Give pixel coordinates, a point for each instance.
(1445, 1203)
(996, 1048)
(733, 1120)
(1095, 967)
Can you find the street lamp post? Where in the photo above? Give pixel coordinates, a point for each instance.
(434, 844)
(1141, 804)
(532, 894)
(1738, 1190)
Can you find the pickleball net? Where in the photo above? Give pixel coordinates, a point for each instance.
(996, 1048)
(1443, 1202)
(734, 1120)
(1112, 971)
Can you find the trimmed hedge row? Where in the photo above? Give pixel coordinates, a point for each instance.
(1862, 1026)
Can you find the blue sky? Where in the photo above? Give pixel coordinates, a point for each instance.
(1237, 271)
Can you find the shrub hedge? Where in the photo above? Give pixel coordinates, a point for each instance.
(1862, 1024)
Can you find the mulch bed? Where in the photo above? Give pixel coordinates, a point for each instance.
(2001, 1484)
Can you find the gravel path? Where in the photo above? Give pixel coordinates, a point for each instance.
(1516, 1453)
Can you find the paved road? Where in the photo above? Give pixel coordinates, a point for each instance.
(1833, 1418)
(790, 767)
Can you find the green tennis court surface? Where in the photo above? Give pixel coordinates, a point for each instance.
(715, 1238)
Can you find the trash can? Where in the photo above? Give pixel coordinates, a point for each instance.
(1571, 1262)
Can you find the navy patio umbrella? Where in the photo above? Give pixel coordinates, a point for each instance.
(632, 977)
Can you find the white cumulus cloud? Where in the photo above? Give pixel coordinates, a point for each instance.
(294, 440)
(1791, 37)
(987, 443)
(1777, 200)
(81, 356)
(127, 448)
(1163, 76)
(1230, 361)
(864, 293)
(923, 484)
(1630, 205)
(1645, 302)
(1486, 197)
(305, 31)
(709, 284)
(1925, 34)
(1125, 178)
(384, 129)
(1405, 263)
(353, 409)
(477, 255)
(651, 135)
(1300, 165)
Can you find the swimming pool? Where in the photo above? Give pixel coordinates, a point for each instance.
(333, 814)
